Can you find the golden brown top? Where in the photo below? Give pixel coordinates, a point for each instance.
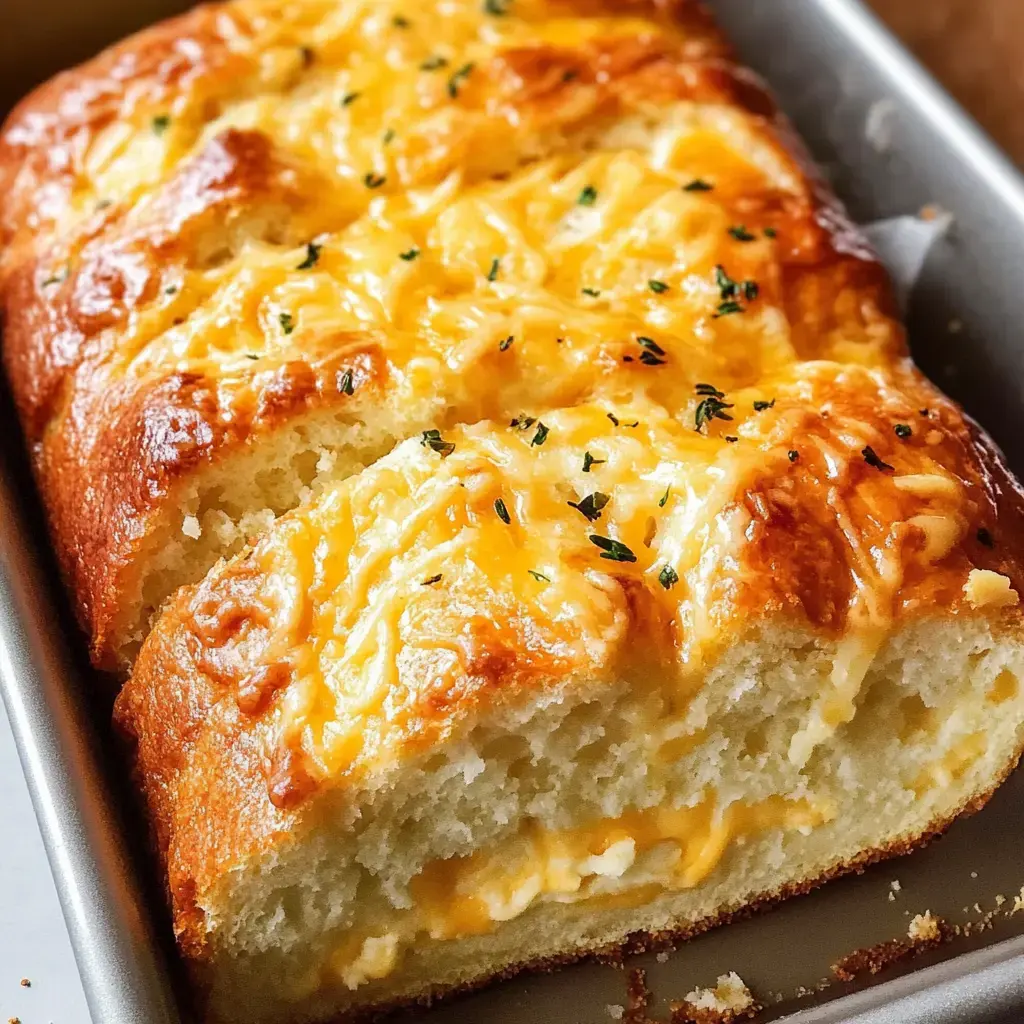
(476, 565)
(430, 215)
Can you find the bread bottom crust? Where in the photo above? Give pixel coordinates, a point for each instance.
(646, 942)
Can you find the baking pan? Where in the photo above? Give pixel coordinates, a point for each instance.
(892, 142)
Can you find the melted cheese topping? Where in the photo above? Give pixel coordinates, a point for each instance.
(616, 862)
(498, 558)
(476, 178)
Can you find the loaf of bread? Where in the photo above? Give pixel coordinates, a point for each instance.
(497, 461)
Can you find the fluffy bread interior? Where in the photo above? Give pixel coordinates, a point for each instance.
(234, 500)
(593, 813)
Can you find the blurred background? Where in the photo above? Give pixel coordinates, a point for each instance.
(974, 47)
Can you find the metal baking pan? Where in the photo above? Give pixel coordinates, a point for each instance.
(892, 142)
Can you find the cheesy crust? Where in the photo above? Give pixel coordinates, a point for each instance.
(265, 211)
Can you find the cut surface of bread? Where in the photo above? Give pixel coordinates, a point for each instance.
(519, 691)
(277, 238)
(496, 459)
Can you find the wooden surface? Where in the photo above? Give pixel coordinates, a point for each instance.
(976, 47)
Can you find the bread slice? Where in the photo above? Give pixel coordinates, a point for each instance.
(520, 692)
(246, 253)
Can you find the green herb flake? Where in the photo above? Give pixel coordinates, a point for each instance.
(492, 274)
(371, 180)
(587, 196)
(664, 498)
(698, 185)
(457, 79)
(712, 406)
(345, 385)
(613, 550)
(160, 123)
(400, 21)
(760, 406)
(652, 352)
(902, 431)
(539, 576)
(872, 458)
(433, 440)
(388, 136)
(591, 506)
(541, 436)
(589, 461)
(58, 277)
(741, 234)
(728, 309)
(171, 289)
(502, 510)
(731, 291)
(727, 287)
(658, 287)
(432, 580)
(286, 322)
(731, 439)
(523, 422)
(434, 63)
(770, 233)
(349, 98)
(312, 255)
(592, 292)
(506, 343)
(668, 577)
(499, 8)
(409, 255)
(252, 355)
(650, 345)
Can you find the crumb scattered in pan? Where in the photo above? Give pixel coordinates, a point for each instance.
(925, 931)
(895, 885)
(880, 123)
(1000, 899)
(638, 997)
(729, 1000)
(955, 326)
(924, 928)
(615, 1011)
(1018, 901)
(892, 897)
(662, 957)
(974, 874)
(13, 1020)
(931, 211)
(25, 983)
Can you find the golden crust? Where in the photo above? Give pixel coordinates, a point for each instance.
(127, 389)
(205, 705)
